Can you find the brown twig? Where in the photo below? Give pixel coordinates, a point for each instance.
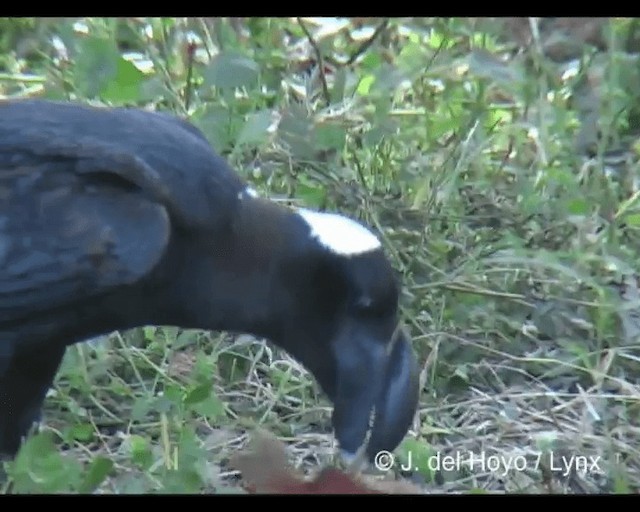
(367, 44)
(191, 50)
(316, 50)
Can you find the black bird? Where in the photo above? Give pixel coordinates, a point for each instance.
(114, 218)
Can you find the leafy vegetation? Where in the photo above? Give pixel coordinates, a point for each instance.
(498, 159)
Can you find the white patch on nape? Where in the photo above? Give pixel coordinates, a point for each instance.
(339, 234)
(247, 192)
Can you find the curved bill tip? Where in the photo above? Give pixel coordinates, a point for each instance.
(398, 401)
(374, 378)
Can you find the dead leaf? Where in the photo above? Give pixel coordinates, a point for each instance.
(265, 469)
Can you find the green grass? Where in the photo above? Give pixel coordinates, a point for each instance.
(503, 180)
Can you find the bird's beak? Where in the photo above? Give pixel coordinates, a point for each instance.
(373, 376)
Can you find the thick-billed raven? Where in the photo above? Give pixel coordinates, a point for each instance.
(114, 218)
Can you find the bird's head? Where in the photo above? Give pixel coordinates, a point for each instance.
(319, 286)
(345, 330)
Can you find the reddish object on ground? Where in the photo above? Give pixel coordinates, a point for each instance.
(329, 481)
(265, 470)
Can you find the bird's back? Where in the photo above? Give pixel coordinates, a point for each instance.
(88, 200)
(199, 182)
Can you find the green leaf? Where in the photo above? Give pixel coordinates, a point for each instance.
(185, 338)
(463, 372)
(186, 481)
(621, 484)
(437, 39)
(255, 130)
(149, 333)
(365, 85)
(198, 394)
(40, 468)
(212, 408)
(330, 136)
(96, 65)
(296, 132)
(82, 432)
(419, 456)
(97, 473)
(140, 408)
(546, 440)
(578, 206)
(164, 404)
(218, 125)
(312, 196)
(231, 69)
(339, 86)
(371, 61)
(388, 78)
(633, 219)
(205, 367)
(152, 88)
(140, 452)
(375, 135)
(485, 65)
(412, 56)
(125, 86)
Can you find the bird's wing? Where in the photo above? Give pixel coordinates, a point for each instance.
(169, 159)
(73, 225)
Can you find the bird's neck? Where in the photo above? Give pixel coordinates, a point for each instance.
(269, 247)
(237, 286)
